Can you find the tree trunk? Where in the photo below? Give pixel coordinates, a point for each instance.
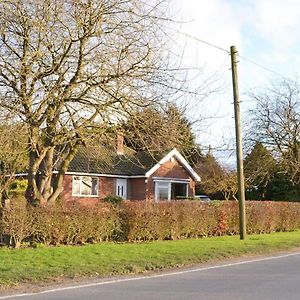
(45, 187)
(58, 186)
(31, 191)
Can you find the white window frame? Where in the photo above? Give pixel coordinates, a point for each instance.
(80, 180)
(161, 183)
(169, 182)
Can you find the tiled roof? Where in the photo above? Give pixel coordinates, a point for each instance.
(106, 161)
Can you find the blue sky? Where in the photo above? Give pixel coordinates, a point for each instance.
(264, 31)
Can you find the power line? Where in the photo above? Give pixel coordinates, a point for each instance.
(204, 42)
(259, 65)
(224, 50)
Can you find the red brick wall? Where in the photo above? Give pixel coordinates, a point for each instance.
(106, 187)
(172, 169)
(136, 189)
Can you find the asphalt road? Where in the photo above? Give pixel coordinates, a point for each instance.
(276, 277)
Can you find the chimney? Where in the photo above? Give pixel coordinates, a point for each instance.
(120, 143)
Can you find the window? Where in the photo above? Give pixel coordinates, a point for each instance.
(85, 186)
(179, 190)
(162, 191)
(170, 190)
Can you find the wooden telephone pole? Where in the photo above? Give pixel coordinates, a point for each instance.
(239, 148)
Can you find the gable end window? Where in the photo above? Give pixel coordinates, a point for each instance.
(85, 186)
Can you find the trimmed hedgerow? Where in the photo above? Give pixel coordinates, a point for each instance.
(142, 221)
(75, 224)
(170, 220)
(60, 224)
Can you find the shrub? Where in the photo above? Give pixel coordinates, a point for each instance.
(17, 188)
(71, 224)
(193, 219)
(76, 224)
(169, 220)
(113, 199)
(17, 222)
(18, 185)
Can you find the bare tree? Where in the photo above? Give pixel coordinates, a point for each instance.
(275, 122)
(70, 67)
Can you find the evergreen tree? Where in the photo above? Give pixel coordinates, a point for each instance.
(260, 167)
(157, 131)
(281, 188)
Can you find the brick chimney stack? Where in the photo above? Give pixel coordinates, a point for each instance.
(120, 143)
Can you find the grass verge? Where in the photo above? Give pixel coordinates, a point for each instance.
(44, 264)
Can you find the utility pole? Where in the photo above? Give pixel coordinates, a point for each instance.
(239, 147)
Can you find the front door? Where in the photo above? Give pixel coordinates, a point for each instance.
(121, 188)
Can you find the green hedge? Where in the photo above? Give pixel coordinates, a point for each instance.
(140, 221)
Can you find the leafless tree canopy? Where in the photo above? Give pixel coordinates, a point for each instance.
(276, 124)
(70, 66)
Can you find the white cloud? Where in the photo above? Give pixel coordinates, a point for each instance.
(278, 21)
(211, 21)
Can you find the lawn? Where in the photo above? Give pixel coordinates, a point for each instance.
(44, 264)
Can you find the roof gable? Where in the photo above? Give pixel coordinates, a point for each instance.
(180, 158)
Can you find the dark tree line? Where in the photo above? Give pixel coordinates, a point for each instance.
(273, 166)
(266, 177)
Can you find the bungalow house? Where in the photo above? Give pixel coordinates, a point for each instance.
(133, 176)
